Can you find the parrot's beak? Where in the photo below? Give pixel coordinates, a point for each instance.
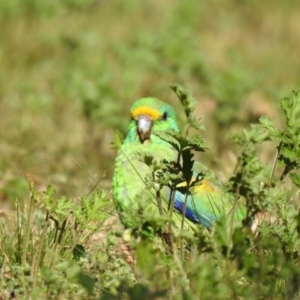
(144, 125)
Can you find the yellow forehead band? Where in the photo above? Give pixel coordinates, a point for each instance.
(145, 110)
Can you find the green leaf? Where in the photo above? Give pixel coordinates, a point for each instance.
(189, 104)
(295, 179)
(187, 165)
(181, 143)
(196, 143)
(291, 108)
(117, 141)
(86, 281)
(48, 196)
(170, 136)
(186, 99)
(267, 124)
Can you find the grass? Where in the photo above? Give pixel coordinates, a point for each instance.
(69, 74)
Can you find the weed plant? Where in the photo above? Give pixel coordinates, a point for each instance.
(70, 71)
(48, 249)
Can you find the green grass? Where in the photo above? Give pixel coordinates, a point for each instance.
(69, 74)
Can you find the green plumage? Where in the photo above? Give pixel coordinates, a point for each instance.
(205, 202)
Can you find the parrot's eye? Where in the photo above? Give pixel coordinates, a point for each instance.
(164, 116)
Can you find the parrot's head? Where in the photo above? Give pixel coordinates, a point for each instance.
(148, 116)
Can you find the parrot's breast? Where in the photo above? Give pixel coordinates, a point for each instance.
(130, 171)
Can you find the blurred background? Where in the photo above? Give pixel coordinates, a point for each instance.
(70, 70)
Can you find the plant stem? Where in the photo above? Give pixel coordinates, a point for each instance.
(27, 225)
(158, 198)
(37, 258)
(275, 164)
(182, 222)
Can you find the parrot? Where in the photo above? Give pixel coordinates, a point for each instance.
(206, 202)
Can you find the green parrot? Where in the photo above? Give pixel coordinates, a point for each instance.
(205, 203)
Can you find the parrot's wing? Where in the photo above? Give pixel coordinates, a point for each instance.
(205, 201)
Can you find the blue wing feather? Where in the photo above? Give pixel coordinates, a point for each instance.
(206, 202)
(194, 213)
